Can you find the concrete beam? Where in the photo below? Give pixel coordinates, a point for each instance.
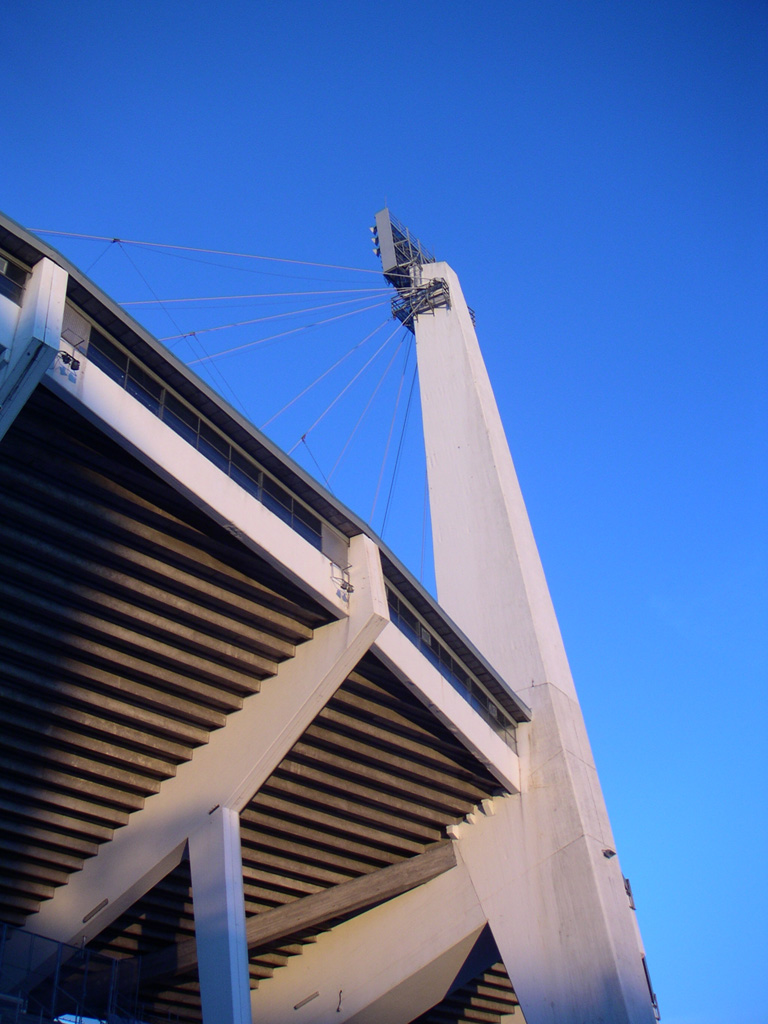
(555, 904)
(385, 966)
(140, 563)
(562, 958)
(219, 909)
(228, 770)
(311, 911)
(114, 411)
(26, 357)
(421, 677)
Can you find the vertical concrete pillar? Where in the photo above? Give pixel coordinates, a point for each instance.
(25, 358)
(555, 901)
(217, 895)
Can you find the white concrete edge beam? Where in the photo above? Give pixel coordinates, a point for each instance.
(321, 666)
(229, 769)
(382, 967)
(42, 309)
(272, 927)
(421, 677)
(25, 359)
(123, 418)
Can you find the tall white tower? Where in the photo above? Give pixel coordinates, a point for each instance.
(544, 866)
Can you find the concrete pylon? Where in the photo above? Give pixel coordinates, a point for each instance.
(543, 865)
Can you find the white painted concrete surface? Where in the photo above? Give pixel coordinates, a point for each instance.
(29, 351)
(216, 868)
(422, 678)
(534, 869)
(385, 966)
(117, 413)
(556, 905)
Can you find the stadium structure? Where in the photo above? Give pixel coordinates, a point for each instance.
(251, 769)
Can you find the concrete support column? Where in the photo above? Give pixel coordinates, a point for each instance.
(555, 901)
(25, 358)
(217, 894)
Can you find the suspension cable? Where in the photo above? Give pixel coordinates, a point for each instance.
(391, 427)
(324, 374)
(282, 334)
(221, 377)
(399, 452)
(195, 248)
(255, 295)
(365, 410)
(322, 474)
(264, 319)
(103, 252)
(347, 386)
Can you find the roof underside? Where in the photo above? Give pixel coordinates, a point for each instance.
(132, 626)
(486, 999)
(372, 782)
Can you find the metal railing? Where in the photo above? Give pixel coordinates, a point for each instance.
(43, 980)
(211, 443)
(451, 669)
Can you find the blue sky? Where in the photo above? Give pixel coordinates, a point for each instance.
(596, 174)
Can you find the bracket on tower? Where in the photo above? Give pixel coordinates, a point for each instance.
(420, 298)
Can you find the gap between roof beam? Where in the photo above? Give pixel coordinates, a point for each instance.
(229, 769)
